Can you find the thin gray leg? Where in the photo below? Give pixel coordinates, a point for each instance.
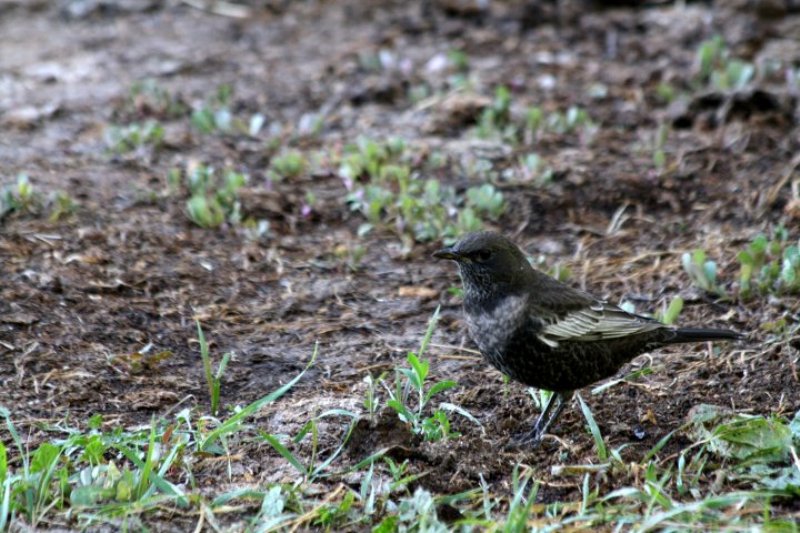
(558, 401)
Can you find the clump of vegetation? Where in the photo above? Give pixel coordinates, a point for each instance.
(135, 137)
(770, 265)
(22, 197)
(214, 198)
(100, 475)
(717, 69)
(413, 380)
(496, 119)
(767, 266)
(534, 170)
(148, 99)
(571, 121)
(702, 272)
(385, 190)
(215, 116)
(671, 312)
(114, 475)
(290, 164)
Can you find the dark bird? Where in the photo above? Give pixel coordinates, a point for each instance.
(546, 334)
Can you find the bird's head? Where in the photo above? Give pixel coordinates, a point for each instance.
(488, 263)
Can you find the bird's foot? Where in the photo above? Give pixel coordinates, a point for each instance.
(529, 440)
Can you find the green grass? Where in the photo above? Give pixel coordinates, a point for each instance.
(93, 476)
(733, 473)
(213, 379)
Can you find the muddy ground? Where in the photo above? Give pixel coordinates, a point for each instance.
(81, 297)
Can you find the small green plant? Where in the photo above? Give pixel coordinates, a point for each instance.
(351, 255)
(574, 119)
(709, 54)
(770, 266)
(291, 164)
(148, 99)
(371, 399)
(749, 439)
(540, 397)
(215, 114)
(735, 75)
(413, 513)
(702, 271)
(717, 69)
(486, 199)
(459, 67)
(310, 469)
(21, 197)
(213, 379)
(459, 60)
(74, 473)
(101, 477)
(665, 92)
(534, 120)
(205, 211)
(671, 313)
(214, 199)
(659, 140)
(495, 121)
(62, 206)
(534, 170)
(135, 137)
(433, 427)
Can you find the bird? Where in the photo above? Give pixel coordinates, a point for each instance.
(546, 334)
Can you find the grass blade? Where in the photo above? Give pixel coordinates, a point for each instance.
(602, 451)
(233, 423)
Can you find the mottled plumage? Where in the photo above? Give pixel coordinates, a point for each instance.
(544, 333)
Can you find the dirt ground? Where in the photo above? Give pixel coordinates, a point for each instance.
(82, 297)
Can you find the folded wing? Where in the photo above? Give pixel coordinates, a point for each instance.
(598, 321)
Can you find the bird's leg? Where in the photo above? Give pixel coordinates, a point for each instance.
(551, 411)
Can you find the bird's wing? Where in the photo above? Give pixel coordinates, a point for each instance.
(598, 321)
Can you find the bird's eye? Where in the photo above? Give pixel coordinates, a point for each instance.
(481, 256)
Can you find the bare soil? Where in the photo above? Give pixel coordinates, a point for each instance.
(81, 297)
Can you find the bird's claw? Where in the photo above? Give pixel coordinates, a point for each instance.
(530, 440)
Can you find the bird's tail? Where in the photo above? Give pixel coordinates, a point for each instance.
(701, 334)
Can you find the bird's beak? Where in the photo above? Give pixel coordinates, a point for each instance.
(447, 253)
